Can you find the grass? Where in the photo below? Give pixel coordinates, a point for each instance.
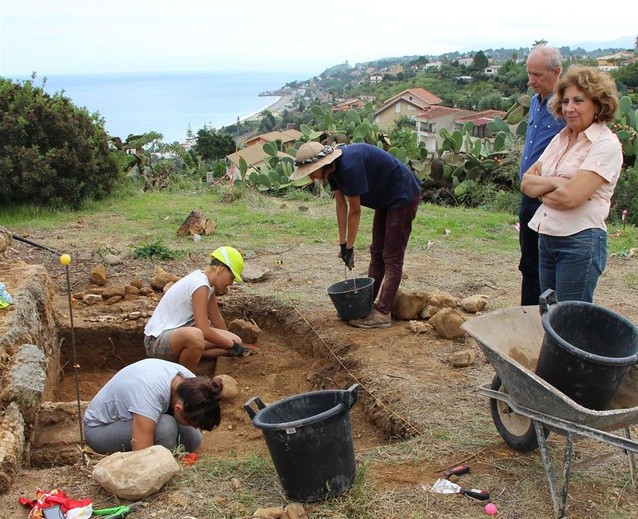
(236, 487)
(252, 221)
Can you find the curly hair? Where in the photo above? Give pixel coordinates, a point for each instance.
(201, 398)
(596, 84)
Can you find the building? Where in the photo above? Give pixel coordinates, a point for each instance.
(430, 121)
(408, 103)
(287, 138)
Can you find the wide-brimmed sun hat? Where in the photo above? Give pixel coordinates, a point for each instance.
(311, 156)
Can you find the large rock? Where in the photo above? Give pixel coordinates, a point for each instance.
(248, 331)
(161, 278)
(138, 474)
(196, 223)
(409, 304)
(11, 445)
(474, 304)
(6, 240)
(447, 323)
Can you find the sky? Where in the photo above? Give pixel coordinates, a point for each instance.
(100, 36)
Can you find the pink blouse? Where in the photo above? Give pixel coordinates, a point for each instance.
(596, 149)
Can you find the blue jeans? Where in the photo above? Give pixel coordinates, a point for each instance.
(571, 265)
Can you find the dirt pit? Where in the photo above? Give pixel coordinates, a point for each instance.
(277, 371)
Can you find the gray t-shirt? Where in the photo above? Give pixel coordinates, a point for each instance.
(142, 388)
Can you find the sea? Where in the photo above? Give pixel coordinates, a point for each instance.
(171, 103)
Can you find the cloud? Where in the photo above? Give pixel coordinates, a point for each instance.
(151, 35)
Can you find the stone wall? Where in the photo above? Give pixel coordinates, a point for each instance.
(29, 361)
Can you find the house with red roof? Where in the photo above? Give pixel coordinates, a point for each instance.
(430, 121)
(408, 103)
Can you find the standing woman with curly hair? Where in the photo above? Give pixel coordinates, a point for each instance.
(575, 178)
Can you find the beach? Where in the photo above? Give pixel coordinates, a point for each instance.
(276, 108)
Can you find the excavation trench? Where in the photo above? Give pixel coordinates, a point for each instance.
(292, 358)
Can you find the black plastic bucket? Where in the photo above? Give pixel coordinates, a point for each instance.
(352, 297)
(586, 350)
(309, 438)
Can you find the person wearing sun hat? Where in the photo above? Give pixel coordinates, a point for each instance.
(187, 324)
(364, 175)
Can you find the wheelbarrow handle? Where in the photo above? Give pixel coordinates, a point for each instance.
(248, 406)
(546, 299)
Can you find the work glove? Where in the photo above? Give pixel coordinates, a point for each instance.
(342, 251)
(348, 257)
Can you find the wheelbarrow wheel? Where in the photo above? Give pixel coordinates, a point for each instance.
(518, 431)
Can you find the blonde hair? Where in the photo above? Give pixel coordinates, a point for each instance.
(596, 84)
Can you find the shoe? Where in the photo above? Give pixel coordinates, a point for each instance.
(240, 351)
(374, 320)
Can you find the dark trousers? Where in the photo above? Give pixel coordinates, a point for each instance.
(391, 230)
(528, 240)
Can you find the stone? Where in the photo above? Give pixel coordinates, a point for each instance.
(255, 275)
(295, 511)
(275, 512)
(112, 259)
(248, 331)
(137, 474)
(138, 283)
(409, 304)
(98, 275)
(463, 358)
(161, 278)
(6, 239)
(447, 322)
(196, 223)
(117, 290)
(474, 304)
(429, 311)
(230, 389)
(418, 327)
(442, 299)
(131, 290)
(91, 299)
(12, 445)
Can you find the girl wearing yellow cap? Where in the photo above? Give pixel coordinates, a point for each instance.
(187, 324)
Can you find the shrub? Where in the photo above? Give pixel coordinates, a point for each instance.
(625, 197)
(51, 152)
(156, 250)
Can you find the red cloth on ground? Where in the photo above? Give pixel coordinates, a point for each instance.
(44, 499)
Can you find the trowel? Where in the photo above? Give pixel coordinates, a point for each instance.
(444, 486)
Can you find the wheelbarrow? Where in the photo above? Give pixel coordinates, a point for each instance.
(525, 408)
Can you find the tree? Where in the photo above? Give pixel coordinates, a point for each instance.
(52, 153)
(268, 122)
(480, 62)
(213, 145)
(627, 75)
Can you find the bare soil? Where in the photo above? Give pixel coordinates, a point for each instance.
(413, 402)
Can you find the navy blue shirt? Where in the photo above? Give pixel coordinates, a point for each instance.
(380, 180)
(542, 126)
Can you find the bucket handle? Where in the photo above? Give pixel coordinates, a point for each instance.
(546, 299)
(249, 409)
(352, 395)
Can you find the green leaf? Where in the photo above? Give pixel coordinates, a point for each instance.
(305, 129)
(270, 148)
(353, 117)
(624, 104)
(317, 111)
